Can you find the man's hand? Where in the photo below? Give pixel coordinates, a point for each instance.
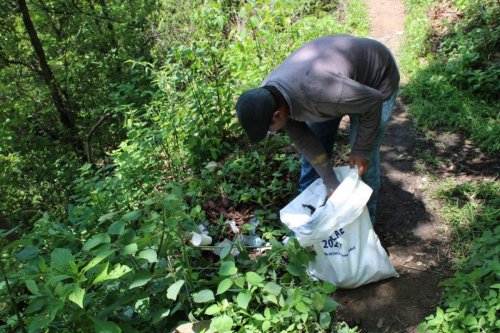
(360, 162)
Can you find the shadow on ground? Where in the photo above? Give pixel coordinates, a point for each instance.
(411, 234)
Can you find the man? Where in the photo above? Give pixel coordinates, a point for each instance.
(308, 94)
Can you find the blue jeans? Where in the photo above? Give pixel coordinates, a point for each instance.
(326, 132)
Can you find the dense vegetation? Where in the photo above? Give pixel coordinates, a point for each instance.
(451, 59)
(118, 140)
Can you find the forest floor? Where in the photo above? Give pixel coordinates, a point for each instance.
(407, 221)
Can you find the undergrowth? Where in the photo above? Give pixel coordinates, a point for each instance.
(117, 257)
(453, 70)
(450, 61)
(470, 301)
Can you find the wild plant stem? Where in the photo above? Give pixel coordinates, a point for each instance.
(13, 300)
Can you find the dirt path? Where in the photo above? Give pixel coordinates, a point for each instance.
(406, 224)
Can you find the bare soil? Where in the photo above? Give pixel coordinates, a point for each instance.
(407, 221)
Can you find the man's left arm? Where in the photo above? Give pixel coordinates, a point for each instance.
(366, 102)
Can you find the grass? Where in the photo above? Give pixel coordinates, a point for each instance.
(449, 80)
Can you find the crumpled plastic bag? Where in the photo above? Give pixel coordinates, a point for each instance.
(345, 205)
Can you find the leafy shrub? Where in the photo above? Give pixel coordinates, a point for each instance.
(471, 296)
(115, 256)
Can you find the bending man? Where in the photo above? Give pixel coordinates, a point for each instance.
(309, 93)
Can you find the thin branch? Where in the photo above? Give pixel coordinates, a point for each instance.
(28, 65)
(88, 150)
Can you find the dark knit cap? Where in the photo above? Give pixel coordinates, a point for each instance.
(255, 110)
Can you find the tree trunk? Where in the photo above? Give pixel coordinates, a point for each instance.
(65, 114)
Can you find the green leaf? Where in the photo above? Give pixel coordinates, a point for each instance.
(38, 323)
(470, 320)
(325, 319)
(132, 216)
(148, 254)
(159, 315)
(32, 287)
(102, 326)
(118, 272)
(141, 278)
(35, 305)
(318, 301)
(266, 326)
(243, 299)
(101, 274)
(258, 317)
(106, 217)
(240, 282)
(272, 288)
(53, 280)
(267, 313)
(212, 309)
(301, 307)
(117, 228)
(96, 240)
(225, 250)
(203, 296)
(220, 22)
(295, 270)
(222, 324)
(127, 237)
(77, 295)
(253, 278)
(228, 268)
(27, 253)
(100, 256)
(272, 298)
(174, 289)
(129, 249)
(61, 260)
(328, 288)
(330, 305)
(224, 285)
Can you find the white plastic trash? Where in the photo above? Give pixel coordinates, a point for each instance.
(200, 239)
(348, 252)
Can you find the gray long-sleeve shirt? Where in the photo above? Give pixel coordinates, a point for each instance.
(330, 77)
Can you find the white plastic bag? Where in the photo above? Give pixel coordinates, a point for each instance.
(348, 252)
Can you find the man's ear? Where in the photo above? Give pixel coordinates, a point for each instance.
(279, 114)
(276, 115)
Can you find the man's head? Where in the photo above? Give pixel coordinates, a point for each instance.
(259, 112)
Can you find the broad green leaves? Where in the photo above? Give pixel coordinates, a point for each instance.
(141, 277)
(102, 326)
(116, 228)
(224, 285)
(63, 260)
(174, 289)
(243, 299)
(222, 324)
(96, 240)
(228, 268)
(203, 296)
(273, 288)
(117, 272)
(148, 254)
(77, 295)
(132, 216)
(254, 278)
